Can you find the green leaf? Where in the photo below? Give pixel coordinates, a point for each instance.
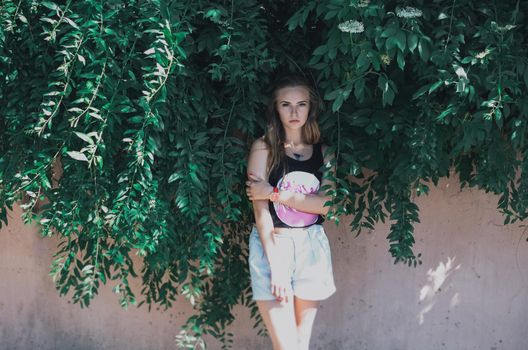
(400, 59)
(174, 177)
(424, 49)
(420, 92)
(321, 50)
(77, 156)
(391, 43)
(400, 40)
(359, 89)
(338, 102)
(333, 94)
(50, 5)
(444, 113)
(214, 15)
(362, 62)
(387, 89)
(435, 86)
(390, 31)
(84, 137)
(412, 41)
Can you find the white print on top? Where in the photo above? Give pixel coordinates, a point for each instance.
(298, 182)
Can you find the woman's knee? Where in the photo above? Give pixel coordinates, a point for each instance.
(280, 322)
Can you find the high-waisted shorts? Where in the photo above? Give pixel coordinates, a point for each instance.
(308, 261)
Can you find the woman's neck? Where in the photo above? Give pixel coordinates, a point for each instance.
(293, 138)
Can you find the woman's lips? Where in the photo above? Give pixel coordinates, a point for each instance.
(294, 121)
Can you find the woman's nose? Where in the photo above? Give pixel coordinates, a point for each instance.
(294, 110)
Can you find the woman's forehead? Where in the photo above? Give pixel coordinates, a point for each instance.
(293, 93)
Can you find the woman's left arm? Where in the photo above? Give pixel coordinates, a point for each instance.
(308, 203)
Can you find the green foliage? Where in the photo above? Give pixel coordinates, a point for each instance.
(132, 122)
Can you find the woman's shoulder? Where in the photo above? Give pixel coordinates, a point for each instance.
(257, 159)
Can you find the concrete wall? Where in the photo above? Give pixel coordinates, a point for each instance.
(471, 292)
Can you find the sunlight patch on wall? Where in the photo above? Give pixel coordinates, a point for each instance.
(435, 280)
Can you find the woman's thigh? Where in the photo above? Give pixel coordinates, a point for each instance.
(280, 323)
(305, 311)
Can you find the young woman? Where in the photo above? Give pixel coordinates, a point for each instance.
(290, 263)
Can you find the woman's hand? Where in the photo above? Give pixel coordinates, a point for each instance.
(257, 188)
(281, 285)
(281, 261)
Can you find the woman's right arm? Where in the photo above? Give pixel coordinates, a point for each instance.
(257, 165)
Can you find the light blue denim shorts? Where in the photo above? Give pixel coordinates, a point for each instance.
(308, 261)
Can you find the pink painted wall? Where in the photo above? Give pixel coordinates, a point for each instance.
(471, 292)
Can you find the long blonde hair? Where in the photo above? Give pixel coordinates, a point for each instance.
(275, 135)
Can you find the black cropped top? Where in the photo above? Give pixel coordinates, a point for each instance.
(302, 176)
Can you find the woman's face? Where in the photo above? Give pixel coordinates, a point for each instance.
(293, 106)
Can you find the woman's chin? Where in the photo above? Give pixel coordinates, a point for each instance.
(293, 126)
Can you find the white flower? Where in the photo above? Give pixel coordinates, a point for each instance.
(506, 28)
(482, 54)
(385, 59)
(363, 3)
(351, 26)
(408, 12)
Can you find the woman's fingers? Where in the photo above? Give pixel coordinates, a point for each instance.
(257, 189)
(281, 293)
(284, 296)
(248, 189)
(275, 290)
(248, 192)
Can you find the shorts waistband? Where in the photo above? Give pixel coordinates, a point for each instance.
(294, 231)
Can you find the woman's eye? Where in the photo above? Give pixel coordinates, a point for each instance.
(303, 104)
(284, 105)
